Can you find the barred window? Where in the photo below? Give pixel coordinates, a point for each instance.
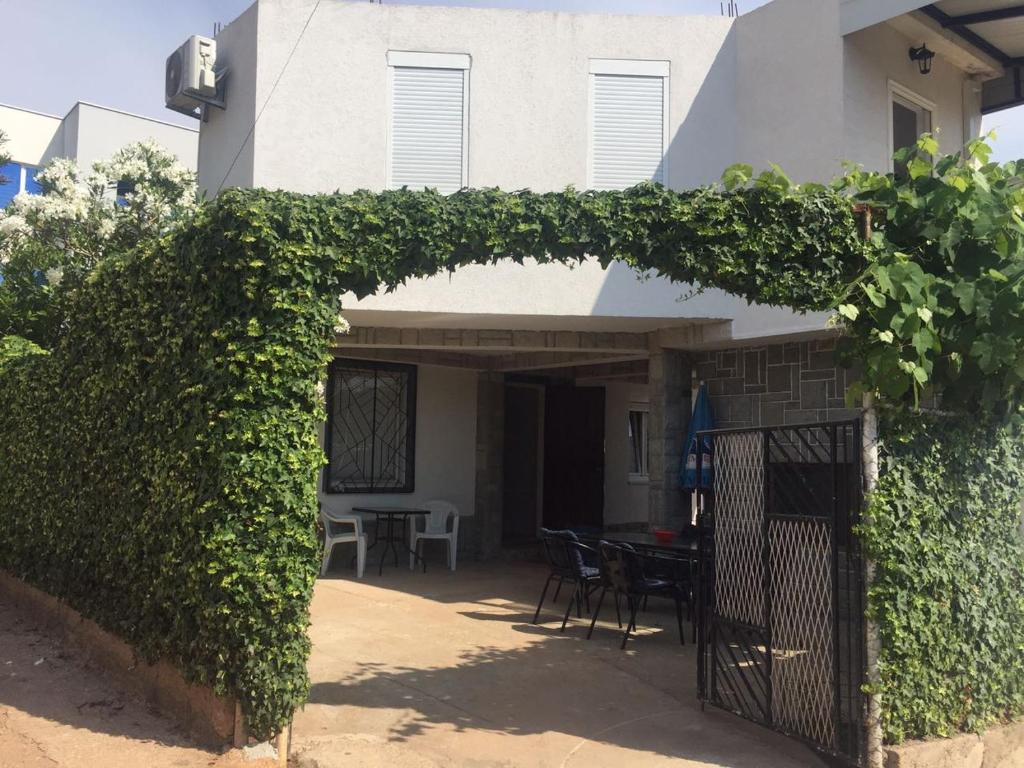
(371, 427)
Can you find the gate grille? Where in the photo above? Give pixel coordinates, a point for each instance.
(802, 650)
(739, 572)
(781, 609)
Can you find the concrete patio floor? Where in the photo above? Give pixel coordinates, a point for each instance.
(445, 669)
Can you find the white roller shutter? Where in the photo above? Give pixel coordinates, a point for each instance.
(627, 130)
(428, 128)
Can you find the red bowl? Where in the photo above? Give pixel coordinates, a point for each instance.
(665, 537)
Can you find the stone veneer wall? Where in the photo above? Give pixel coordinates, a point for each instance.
(791, 383)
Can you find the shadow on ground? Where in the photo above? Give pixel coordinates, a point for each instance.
(449, 666)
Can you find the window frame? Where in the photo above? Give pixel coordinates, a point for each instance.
(637, 68)
(20, 178)
(897, 93)
(639, 478)
(411, 371)
(425, 60)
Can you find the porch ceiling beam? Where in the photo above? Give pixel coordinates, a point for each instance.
(980, 17)
(470, 340)
(417, 357)
(692, 337)
(960, 29)
(547, 361)
(628, 369)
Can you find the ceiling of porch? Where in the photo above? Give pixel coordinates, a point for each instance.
(589, 355)
(387, 318)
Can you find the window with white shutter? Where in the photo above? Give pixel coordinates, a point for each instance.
(427, 137)
(628, 122)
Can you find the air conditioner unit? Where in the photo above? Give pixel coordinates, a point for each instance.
(190, 79)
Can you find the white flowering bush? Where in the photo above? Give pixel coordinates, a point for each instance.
(50, 242)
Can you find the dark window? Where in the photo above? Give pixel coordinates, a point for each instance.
(371, 427)
(124, 188)
(909, 121)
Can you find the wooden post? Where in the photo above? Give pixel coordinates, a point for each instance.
(284, 739)
(873, 749)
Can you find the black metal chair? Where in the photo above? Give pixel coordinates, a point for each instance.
(568, 560)
(679, 569)
(623, 569)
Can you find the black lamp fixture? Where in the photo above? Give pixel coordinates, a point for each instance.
(923, 56)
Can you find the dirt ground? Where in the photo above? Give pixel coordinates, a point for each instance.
(57, 710)
(413, 670)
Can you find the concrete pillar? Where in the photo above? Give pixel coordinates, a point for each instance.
(490, 449)
(669, 383)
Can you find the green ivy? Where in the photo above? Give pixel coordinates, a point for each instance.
(159, 464)
(945, 535)
(942, 303)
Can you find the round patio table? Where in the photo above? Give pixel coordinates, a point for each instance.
(388, 516)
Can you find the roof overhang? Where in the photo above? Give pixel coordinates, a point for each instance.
(985, 38)
(995, 27)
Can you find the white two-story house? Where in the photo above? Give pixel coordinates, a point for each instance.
(86, 134)
(538, 394)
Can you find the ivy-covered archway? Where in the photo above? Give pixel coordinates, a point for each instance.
(175, 424)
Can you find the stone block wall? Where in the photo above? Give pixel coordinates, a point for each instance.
(790, 383)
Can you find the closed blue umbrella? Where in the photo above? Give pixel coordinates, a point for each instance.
(701, 420)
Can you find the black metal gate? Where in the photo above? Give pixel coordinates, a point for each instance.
(781, 610)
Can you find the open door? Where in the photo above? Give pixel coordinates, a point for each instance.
(521, 488)
(573, 457)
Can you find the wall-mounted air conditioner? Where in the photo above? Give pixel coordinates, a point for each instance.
(191, 76)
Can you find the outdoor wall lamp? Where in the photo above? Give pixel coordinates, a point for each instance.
(923, 57)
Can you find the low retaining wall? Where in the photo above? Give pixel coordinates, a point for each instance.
(998, 747)
(210, 719)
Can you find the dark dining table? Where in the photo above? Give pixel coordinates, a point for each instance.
(387, 517)
(648, 541)
(645, 542)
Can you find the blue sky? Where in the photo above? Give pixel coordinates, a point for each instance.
(112, 52)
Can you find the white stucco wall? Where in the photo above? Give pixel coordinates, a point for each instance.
(789, 97)
(873, 57)
(624, 501)
(102, 131)
(445, 445)
(528, 92)
(29, 134)
(226, 137)
(88, 133)
(779, 84)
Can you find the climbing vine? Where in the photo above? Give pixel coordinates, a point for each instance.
(941, 304)
(159, 461)
(945, 536)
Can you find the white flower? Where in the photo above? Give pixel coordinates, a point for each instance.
(12, 225)
(54, 275)
(342, 326)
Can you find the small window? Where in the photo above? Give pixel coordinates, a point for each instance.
(427, 136)
(638, 444)
(124, 188)
(910, 116)
(10, 182)
(628, 122)
(371, 422)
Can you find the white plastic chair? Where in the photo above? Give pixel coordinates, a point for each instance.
(436, 527)
(343, 529)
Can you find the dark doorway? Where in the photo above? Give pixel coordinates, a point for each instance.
(573, 457)
(522, 463)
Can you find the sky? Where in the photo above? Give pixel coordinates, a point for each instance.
(112, 52)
